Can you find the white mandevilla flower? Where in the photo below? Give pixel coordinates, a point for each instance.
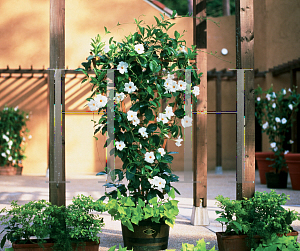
(273, 144)
(286, 151)
(27, 117)
(283, 91)
(16, 108)
(136, 121)
(181, 85)
(178, 141)
(3, 155)
(149, 157)
(273, 95)
(291, 106)
(283, 121)
(196, 90)
(93, 105)
(162, 118)
(122, 67)
(131, 115)
(274, 105)
(130, 87)
(8, 152)
(265, 125)
(29, 137)
(289, 90)
(258, 99)
(168, 84)
(5, 137)
(7, 133)
(274, 128)
(157, 182)
(119, 97)
(268, 97)
(186, 121)
(275, 149)
(171, 76)
(10, 143)
(278, 120)
(169, 112)
(161, 151)
(173, 87)
(182, 49)
(139, 48)
(106, 48)
(120, 145)
(291, 141)
(10, 158)
(101, 100)
(143, 132)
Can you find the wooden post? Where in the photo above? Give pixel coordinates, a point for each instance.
(226, 7)
(219, 124)
(200, 214)
(57, 188)
(245, 186)
(294, 134)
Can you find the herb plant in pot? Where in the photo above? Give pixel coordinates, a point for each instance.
(146, 64)
(274, 113)
(13, 131)
(38, 225)
(250, 221)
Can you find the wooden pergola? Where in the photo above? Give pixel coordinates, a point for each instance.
(244, 60)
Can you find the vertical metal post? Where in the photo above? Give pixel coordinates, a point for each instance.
(245, 186)
(57, 188)
(219, 124)
(226, 7)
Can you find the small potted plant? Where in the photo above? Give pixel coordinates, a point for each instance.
(274, 112)
(12, 136)
(250, 221)
(148, 68)
(38, 225)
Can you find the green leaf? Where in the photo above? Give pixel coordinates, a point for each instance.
(151, 128)
(177, 35)
(222, 219)
(149, 113)
(172, 193)
(106, 31)
(150, 91)
(112, 248)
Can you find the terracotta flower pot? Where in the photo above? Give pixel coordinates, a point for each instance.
(8, 170)
(293, 162)
(263, 164)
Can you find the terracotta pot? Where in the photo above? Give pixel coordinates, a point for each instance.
(293, 162)
(8, 170)
(234, 242)
(81, 246)
(146, 236)
(263, 164)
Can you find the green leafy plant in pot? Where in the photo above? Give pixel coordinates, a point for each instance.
(13, 133)
(274, 112)
(148, 68)
(251, 221)
(41, 224)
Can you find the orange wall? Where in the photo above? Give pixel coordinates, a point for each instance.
(25, 41)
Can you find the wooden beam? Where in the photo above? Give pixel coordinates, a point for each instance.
(200, 120)
(245, 60)
(294, 131)
(57, 188)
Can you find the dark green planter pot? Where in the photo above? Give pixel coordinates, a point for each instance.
(146, 236)
(277, 180)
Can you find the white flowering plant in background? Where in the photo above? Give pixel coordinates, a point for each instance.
(274, 112)
(148, 68)
(13, 132)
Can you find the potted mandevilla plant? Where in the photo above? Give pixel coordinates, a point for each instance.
(39, 225)
(148, 68)
(12, 136)
(274, 113)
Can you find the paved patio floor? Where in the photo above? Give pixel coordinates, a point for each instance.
(26, 188)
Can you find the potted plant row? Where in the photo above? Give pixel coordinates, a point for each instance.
(250, 221)
(38, 225)
(148, 68)
(274, 112)
(13, 132)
